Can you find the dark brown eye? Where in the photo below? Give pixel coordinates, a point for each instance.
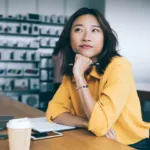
(77, 30)
(95, 30)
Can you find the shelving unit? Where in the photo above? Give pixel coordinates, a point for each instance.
(29, 35)
(48, 35)
(46, 47)
(22, 91)
(46, 68)
(14, 34)
(17, 48)
(19, 76)
(50, 57)
(8, 20)
(11, 85)
(19, 61)
(46, 80)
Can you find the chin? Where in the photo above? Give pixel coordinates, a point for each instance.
(87, 55)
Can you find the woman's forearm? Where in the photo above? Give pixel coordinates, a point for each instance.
(71, 120)
(76, 121)
(86, 97)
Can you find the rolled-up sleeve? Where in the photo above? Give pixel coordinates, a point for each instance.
(112, 99)
(60, 103)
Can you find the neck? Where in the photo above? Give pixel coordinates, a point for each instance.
(94, 59)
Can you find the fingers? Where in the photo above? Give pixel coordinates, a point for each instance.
(111, 134)
(78, 57)
(90, 61)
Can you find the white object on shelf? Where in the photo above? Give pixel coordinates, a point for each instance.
(34, 84)
(20, 84)
(30, 99)
(31, 72)
(44, 75)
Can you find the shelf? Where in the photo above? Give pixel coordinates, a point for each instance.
(47, 47)
(18, 61)
(47, 68)
(26, 48)
(21, 91)
(46, 80)
(19, 76)
(46, 57)
(49, 35)
(28, 21)
(15, 34)
(18, 48)
(29, 35)
(48, 92)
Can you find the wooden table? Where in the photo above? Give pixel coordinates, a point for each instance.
(78, 139)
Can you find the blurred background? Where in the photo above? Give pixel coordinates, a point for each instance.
(29, 30)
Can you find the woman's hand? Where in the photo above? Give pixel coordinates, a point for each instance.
(111, 135)
(81, 65)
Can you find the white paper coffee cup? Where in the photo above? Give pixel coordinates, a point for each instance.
(19, 133)
(21, 123)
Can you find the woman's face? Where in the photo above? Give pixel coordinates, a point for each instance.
(87, 37)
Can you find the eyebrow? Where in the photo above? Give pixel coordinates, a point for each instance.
(98, 26)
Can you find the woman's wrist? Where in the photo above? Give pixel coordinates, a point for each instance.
(78, 75)
(80, 80)
(85, 123)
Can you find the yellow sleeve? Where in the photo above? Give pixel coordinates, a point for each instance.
(60, 102)
(112, 100)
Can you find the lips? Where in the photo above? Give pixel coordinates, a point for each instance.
(85, 46)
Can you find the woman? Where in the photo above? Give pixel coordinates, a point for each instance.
(98, 90)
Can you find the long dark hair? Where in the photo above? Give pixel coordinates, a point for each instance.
(109, 47)
(56, 49)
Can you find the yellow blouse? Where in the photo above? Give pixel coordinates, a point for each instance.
(117, 103)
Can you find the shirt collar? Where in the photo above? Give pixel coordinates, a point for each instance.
(93, 73)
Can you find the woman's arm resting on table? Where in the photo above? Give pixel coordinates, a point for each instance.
(67, 118)
(77, 121)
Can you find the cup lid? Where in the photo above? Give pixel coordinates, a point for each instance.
(19, 123)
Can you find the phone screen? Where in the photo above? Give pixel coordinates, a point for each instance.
(3, 136)
(39, 135)
(44, 135)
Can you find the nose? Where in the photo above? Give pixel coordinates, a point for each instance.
(86, 37)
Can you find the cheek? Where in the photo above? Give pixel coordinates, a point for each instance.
(74, 42)
(99, 43)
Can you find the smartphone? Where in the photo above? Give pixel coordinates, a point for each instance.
(4, 120)
(3, 136)
(45, 135)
